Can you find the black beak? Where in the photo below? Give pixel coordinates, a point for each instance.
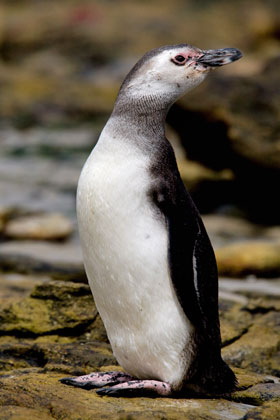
(215, 58)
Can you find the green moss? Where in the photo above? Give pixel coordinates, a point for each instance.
(52, 307)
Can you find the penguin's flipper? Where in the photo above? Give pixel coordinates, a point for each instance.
(193, 271)
(192, 262)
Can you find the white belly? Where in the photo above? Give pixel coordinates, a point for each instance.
(125, 247)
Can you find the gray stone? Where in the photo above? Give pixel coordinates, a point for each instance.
(50, 226)
(59, 260)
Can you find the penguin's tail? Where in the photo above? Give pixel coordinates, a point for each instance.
(212, 377)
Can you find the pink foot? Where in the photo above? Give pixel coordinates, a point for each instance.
(97, 379)
(138, 388)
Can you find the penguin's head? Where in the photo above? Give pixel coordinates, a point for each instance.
(172, 70)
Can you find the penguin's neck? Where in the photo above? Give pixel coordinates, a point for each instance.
(142, 116)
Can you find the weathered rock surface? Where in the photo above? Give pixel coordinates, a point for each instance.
(47, 142)
(258, 348)
(239, 114)
(10, 412)
(52, 307)
(268, 411)
(252, 287)
(61, 261)
(43, 391)
(194, 173)
(241, 259)
(234, 319)
(225, 229)
(67, 355)
(16, 286)
(43, 227)
(203, 182)
(59, 327)
(32, 197)
(5, 212)
(249, 330)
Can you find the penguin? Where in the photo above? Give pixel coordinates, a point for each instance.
(148, 258)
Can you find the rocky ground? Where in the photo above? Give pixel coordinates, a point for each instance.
(48, 322)
(60, 67)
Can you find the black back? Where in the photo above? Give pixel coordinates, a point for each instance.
(190, 250)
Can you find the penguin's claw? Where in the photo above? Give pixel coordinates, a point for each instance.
(84, 385)
(97, 380)
(137, 388)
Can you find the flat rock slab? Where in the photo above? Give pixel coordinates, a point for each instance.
(38, 391)
(259, 258)
(41, 172)
(11, 412)
(72, 138)
(258, 348)
(26, 196)
(52, 226)
(59, 260)
(16, 286)
(53, 307)
(71, 359)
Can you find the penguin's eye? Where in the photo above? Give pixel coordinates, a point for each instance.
(180, 60)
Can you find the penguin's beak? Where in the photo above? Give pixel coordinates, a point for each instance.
(215, 58)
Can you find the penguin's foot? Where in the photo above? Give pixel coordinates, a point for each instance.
(137, 388)
(97, 379)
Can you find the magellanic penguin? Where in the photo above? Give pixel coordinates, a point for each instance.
(149, 261)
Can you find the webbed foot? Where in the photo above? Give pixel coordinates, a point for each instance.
(97, 379)
(137, 388)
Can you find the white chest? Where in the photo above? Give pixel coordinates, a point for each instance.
(125, 246)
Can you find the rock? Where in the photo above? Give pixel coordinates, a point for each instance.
(73, 358)
(15, 286)
(249, 258)
(234, 320)
(203, 182)
(39, 141)
(43, 227)
(251, 333)
(29, 197)
(259, 393)
(11, 412)
(60, 260)
(33, 389)
(257, 349)
(253, 287)
(225, 229)
(246, 145)
(45, 172)
(247, 379)
(54, 307)
(268, 411)
(262, 305)
(232, 101)
(194, 173)
(5, 212)
(60, 290)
